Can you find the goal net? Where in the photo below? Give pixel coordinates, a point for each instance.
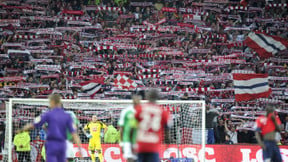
(185, 139)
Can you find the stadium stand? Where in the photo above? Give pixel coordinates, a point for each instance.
(111, 49)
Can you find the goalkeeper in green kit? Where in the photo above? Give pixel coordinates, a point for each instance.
(128, 125)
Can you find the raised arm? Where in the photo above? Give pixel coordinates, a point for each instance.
(226, 127)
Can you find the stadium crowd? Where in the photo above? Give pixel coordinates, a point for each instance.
(114, 48)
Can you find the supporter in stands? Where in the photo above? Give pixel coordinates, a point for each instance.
(231, 131)
(211, 121)
(185, 96)
(220, 132)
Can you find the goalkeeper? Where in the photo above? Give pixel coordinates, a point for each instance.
(128, 125)
(94, 127)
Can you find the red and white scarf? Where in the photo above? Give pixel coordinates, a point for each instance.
(235, 44)
(109, 9)
(231, 8)
(278, 5)
(19, 36)
(198, 90)
(99, 48)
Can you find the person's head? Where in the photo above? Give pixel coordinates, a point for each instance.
(94, 118)
(227, 137)
(185, 95)
(286, 118)
(152, 95)
(136, 99)
(55, 101)
(229, 122)
(220, 121)
(233, 128)
(269, 108)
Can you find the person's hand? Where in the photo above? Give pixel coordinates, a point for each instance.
(88, 135)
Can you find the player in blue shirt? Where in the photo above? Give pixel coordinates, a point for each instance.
(58, 123)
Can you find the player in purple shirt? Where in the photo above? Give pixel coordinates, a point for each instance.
(58, 122)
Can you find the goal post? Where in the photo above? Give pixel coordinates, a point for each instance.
(186, 138)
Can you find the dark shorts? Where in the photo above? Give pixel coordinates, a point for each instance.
(148, 157)
(55, 151)
(271, 152)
